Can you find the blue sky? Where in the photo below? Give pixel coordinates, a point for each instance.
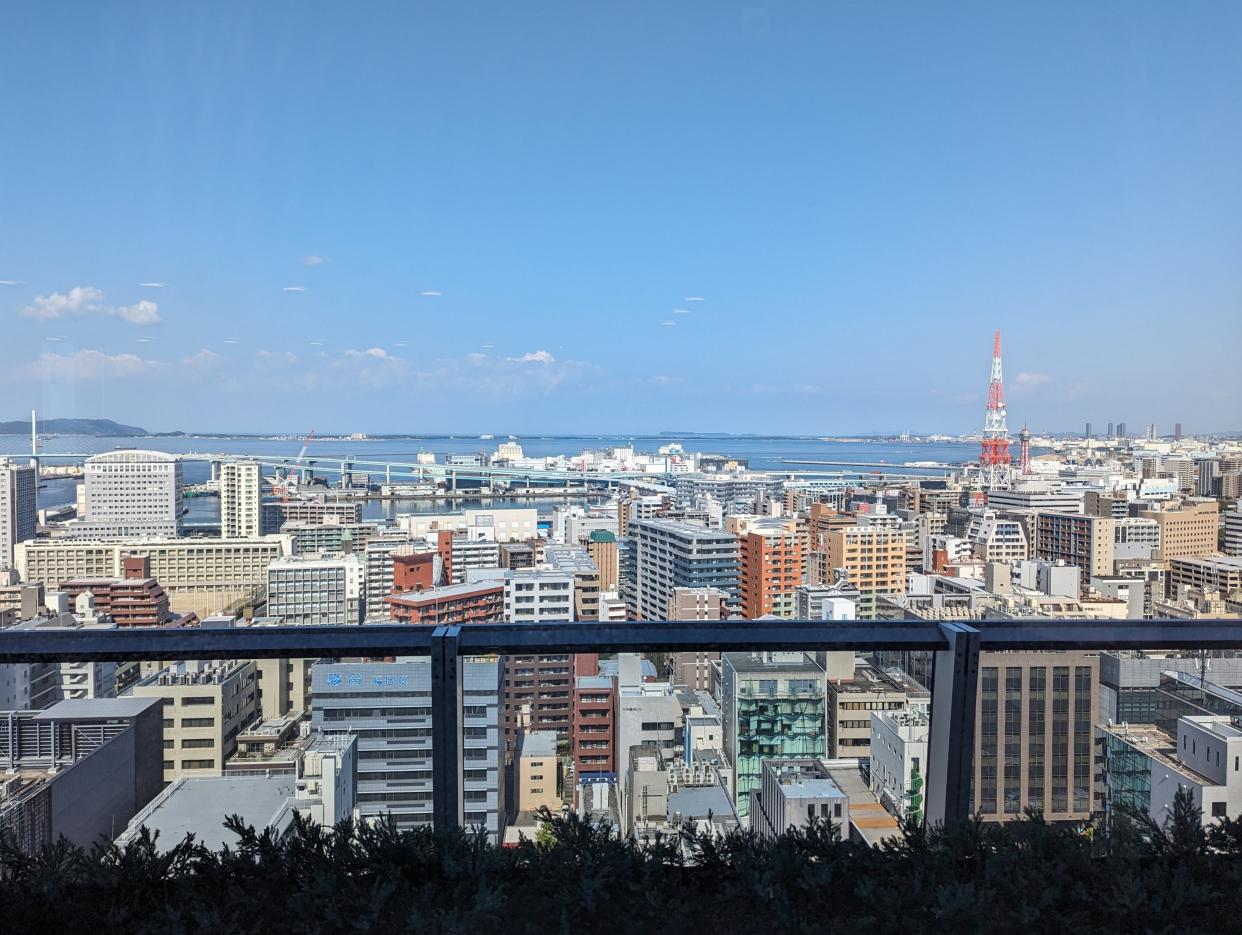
(496, 215)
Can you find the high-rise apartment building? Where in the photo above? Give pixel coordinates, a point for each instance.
(241, 502)
(132, 493)
(593, 739)
(388, 706)
(206, 705)
(1034, 746)
(669, 554)
(874, 559)
(18, 515)
(315, 589)
(1077, 539)
(862, 690)
(772, 558)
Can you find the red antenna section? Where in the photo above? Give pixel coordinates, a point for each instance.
(995, 460)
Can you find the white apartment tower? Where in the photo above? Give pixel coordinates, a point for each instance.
(18, 484)
(241, 509)
(133, 492)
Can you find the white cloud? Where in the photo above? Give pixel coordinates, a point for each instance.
(293, 289)
(377, 353)
(431, 292)
(669, 324)
(203, 359)
(681, 311)
(314, 259)
(9, 282)
(231, 341)
(316, 344)
(152, 285)
(533, 357)
(53, 337)
(693, 298)
(1031, 380)
(403, 344)
(142, 312)
(89, 365)
(81, 301)
(143, 340)
(487, 346)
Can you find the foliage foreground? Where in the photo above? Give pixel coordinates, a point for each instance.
(1028, 876)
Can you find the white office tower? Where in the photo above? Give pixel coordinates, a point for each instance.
(18, 484)
(132, 493)
(241, 510)
(307, 590)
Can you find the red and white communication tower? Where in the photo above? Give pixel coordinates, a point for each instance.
(995, 460)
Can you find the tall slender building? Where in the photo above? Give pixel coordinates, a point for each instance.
(18, 486)
(995, 459)
(241, 509)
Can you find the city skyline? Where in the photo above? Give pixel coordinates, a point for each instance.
(718, 218)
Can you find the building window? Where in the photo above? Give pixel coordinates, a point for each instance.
(1218, 810)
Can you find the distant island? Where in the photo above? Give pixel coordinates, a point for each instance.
(104, 427)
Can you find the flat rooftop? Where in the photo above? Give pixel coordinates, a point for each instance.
(1155, 743)
(92, 708)
(744, 663)
(199, 807)
(537, 743)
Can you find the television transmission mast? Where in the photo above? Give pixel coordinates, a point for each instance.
(995, 459)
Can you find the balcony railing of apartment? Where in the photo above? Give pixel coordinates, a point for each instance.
(955, 673)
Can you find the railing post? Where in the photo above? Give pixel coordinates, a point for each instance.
(955, 682)
(446, 719)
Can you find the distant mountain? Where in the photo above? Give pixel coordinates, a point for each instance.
(104, 427)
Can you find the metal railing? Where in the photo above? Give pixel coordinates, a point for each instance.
(955, 673)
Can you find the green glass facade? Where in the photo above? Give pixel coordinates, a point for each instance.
(777, 718)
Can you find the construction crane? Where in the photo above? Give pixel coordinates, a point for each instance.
(287, 483)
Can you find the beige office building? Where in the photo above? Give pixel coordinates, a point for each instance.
(204, 576)
(1034, 735)
(535, 771)
(206, 705)
(1191, 530)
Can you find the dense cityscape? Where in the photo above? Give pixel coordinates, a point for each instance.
(1101, 527)
(619, 468)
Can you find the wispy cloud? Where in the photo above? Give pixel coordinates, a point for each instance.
(53, 337)
(669, 324)
(152, 285)
(84, 301)
(1031, 380)
(277, 357)
(403, 344)
(314, 259)
(681, 311)
(780, 389)
(694, 298)
(316, 344)
(487, 346)
(9, 282)
(533, 357)
(293, 289)
(143, 340)
(203, 360)
(431, 292)
(87, 365)
(231, 341)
